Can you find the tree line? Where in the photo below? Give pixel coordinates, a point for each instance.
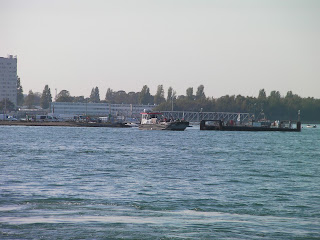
(32, 99)
(116, 97)
(274, 106)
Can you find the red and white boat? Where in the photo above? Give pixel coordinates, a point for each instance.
(156, 121)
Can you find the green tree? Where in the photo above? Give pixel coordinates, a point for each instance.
(145, 96)
(262, 94)
(289, 94)
(133, 98)
(95, 95)
(169, 95)
(200, 93)
(189, 93)
(274, 107)
(46, 97)
(262, 104)
(275, 95)
(37, 99)
(120, 97)
(6, 105)
(64, 96)
(240, 104)
(109, 96)
(29, 99)
(79, 99)
(170, 102)
(293, 103)
(92, 97)
(159, 97)
(20, 97)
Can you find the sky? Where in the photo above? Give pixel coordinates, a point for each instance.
(229, 46)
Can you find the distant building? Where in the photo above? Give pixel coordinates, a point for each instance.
(8, 78)
(98, 109)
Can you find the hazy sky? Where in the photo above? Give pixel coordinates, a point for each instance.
(229, 46)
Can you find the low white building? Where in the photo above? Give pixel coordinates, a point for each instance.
(98, 109)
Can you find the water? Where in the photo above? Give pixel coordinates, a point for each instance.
(104, 183)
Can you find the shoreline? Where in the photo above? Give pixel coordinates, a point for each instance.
(62, 124)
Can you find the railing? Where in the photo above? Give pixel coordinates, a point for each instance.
(198, 116)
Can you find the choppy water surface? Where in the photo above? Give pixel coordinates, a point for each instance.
(95, 183)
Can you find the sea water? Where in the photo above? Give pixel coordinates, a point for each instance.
(123, 183)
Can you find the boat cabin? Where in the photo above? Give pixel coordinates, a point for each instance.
(150, 117)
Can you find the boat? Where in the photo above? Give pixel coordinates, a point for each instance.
(132, 124)
(276, 126)
(155, 121)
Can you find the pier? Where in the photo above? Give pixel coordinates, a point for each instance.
(197, 117)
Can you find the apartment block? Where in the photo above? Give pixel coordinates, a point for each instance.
(8, 78)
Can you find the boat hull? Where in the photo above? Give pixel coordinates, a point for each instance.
(171, 126)
(309, 126)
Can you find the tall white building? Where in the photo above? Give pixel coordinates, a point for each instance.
(8, 78)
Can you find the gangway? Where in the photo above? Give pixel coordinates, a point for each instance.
(198, 116)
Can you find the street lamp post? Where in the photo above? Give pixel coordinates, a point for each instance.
(172, 103)
(5, 109)
(86, 110)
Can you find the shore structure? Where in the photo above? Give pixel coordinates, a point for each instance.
(276, 126)
(62, 124)
(121, 112)
(156, 121)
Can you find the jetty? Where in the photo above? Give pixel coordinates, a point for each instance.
(62, 124)
(277, 126)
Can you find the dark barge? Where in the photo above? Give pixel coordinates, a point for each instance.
(281, 126)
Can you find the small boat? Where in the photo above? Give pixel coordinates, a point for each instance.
(132, 124)
(155, 121)
(311, 126)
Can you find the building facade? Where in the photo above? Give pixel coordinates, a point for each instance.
(98, 109)
(8, 78)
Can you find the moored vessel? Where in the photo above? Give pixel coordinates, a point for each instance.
(276, 126)
(155, 121)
